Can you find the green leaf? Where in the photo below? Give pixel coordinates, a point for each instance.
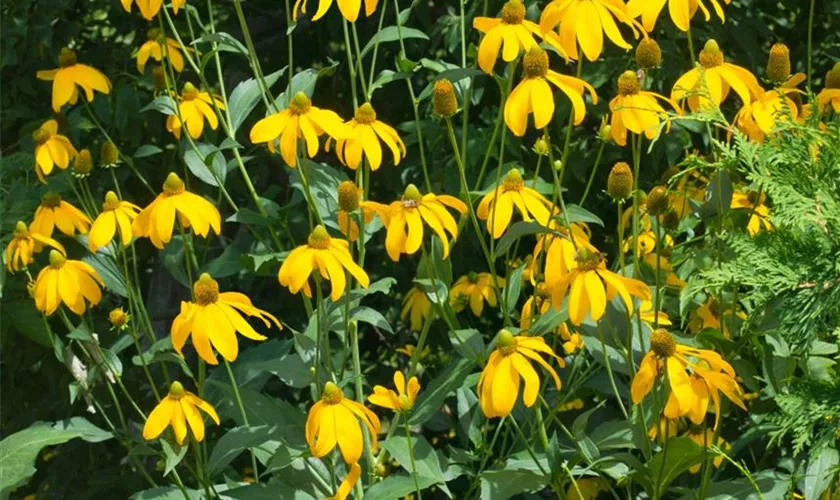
(323, 185)
(273, 490)
(454, 75)
(250, 217)
(822, 468)
(771, 485)
(202, 161)
(163, 104)
(468, 343)
(22, 317)
(226, 43)
(512, 290)
(576, 213)
(304, 82)
(166, 493)
(431, 399)
(392, 34)
(425, 459)
(520, 229)
(667, 465)
(245, 97)
(502, 484)
(85, 429)
(109, 272)
(397, 486)
(147, 150)
(174, 454)
(234, 442)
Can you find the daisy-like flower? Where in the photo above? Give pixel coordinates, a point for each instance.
(329, 256)
(349, 8)
(572, 341)
(831, 93)
(51, 149)
(690, 392)
(150, 8)
(592, 286)
(214, 319)
(474, 289)
(498, 386)
(194, 107)
(178, 409)
(416, 306)
(709, 85)
(365, 132)
(402, 400)
(69, 76)
(334, 420)
(756, 204)
(705, 438)
(647, 243)
(636, 110)
(682, 11)
(116, 218)
(533, 94)
(586, 22)
(300, 121)
(157, 220)
(24, 245)
(758, 118)
(404, 219)
(512, 30)
(158, 46)
(73, 282)
(497, 206)
(53, 212)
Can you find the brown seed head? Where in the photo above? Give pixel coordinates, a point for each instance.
(206, 290)
(348, 196)
(648, 54)
(535, 62)
(444, 100)
(513, 12)
(778, 64)
(108, 154)
(66, 57)
(657, 201)
(319, 238)
(628, 83)
(83, 163)
(662, 343)
(711, 56)
(620, 181)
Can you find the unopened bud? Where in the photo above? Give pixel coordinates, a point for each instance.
(83, 164)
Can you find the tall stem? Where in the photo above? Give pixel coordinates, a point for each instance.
(244, 415)
(411, 459)
(810, 40)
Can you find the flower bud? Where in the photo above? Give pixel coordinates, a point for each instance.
(648, 54)
(444, 100)
(605, 132)
(620, 181)
(711, 56)
(541, 147)
(778, 64)
(348, 196)
(109, 156)
(118, 318)
(657, 202)
(671, 220)
(558, 165)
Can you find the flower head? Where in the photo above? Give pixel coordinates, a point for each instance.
(329, 256)
(620, 181)
(404, 219)
(778, 63)
(54, 212)
(83, 164)
(157, 220)
(194, 107)
(444, 100)
(537, 304)
(592, 285)
(707, 375)
(348, 203)
(24, 244)
(709, 85)
(109, 155)
(349, 8)
(498, 386)
(69, 76)
(585, 22)
(157, 46)
(150, 8)
(533, 94)
(116, 218)
(497, 206)
(636, 110)
(402, 400)
(365, 133)
(510, 33)
(682, 11)
(474, 289)
(73, 282)
(118, 318)
(51, 149)
(300, 121)
(213, 319)
(648, 54)
(416, 306)
(560, 250)
(756, 204)
(179, 408)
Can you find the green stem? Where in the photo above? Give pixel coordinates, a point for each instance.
(690, 46)
(244, 415)
(528, 447)
(810, 40)
(376, 48)
(411, 459)
(360, 394)
(592, 174)
(350, 66)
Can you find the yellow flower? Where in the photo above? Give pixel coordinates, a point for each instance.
(647, 243)
(179, 408)
(560, 250)
(533, 94)
(157, 220)
(636, 110)
(404, 219)
(586, 22)
(648, 314)
(572, 342)
(705, 438)
(194, 107)
(590, 488)
(690, 393)
(709, 85)
(474, 289)
(514, 30)
(710, 315)
(831, 92)
(364, 134)
(417, 306)
(24, 244)
(51, 149)
(116, 217)
(118, 318)
(329, 256)
(150, 8)
(71, 74)
(592, 286)
(334, 420)
(758, 118)
(73, 282)
(54, 212)
(497, 206)
(575, 404)
(214, 319)
(157, 47)
(498, 386)
(402, 400)
(300, 121)
(349, 8)
(755, 203)
(681, 11)
(539, 303)
(409, 350)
